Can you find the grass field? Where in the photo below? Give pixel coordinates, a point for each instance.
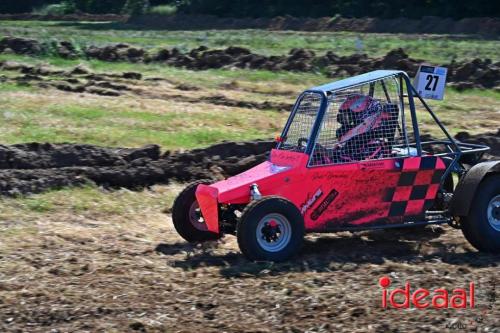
(435, 48)
(30, 114)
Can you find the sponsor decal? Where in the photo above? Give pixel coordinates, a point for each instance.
(324, 204)
(373, 165)
(328, 176)
(470, 317)
(281, 156)
(310, 201)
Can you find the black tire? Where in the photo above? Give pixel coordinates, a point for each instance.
(476, 227)
(181, 216)
(257, 212)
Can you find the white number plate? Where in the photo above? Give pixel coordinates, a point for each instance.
(430, 81)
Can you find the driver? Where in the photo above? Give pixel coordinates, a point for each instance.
(359, 115)
(354, 111)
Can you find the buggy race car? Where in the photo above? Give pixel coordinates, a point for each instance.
(350, 158)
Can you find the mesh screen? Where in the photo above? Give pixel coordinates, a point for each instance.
(362, 123)
(302, 123)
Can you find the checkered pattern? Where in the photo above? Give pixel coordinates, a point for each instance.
(417, 186)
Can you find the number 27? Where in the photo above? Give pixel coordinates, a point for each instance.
(429, 79)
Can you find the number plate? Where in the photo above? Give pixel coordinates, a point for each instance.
(430, 81)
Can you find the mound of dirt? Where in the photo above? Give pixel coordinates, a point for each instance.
(20, 45)
(27, 46)
(475, 74)
(361, 63)
(491, 140)
(43, 156)
(117, 52)
(478, 73)
(35, 167)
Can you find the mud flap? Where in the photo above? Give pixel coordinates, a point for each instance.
(466, 188)
(206, 196)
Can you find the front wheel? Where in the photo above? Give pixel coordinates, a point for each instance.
(482, 226)
(187, 218)
(271, 228)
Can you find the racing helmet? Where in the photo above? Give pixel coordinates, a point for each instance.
(351, 109)
(356, 103)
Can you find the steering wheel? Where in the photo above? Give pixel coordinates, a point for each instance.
(302, 144)
(320, 153)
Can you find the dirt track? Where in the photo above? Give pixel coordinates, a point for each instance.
(86, 271)
(70, 270)
(87, 275)
(82, 80)
(36, 167)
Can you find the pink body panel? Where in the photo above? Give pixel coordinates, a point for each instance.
(274, 177)
(335, 196)
(358, 189)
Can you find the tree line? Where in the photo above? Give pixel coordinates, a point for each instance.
(271, 8)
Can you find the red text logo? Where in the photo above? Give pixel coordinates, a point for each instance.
(421, 298)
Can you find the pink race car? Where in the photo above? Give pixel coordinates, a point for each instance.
(349, 158)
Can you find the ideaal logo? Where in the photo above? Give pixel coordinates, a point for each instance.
(473, 323)
(421, 298)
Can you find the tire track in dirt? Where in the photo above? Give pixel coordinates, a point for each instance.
(81, 80)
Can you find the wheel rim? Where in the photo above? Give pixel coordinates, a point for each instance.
(196, 218)
(493, 212)
(273, 232)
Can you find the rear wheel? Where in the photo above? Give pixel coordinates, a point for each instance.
(187, 217)
(482, 226)
(271, 228)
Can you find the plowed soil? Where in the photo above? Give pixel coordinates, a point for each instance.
(477, 73)
(37, 167)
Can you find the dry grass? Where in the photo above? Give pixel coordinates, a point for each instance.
(129, 120)
(463, 112)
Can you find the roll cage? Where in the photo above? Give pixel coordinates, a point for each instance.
(452, 149)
